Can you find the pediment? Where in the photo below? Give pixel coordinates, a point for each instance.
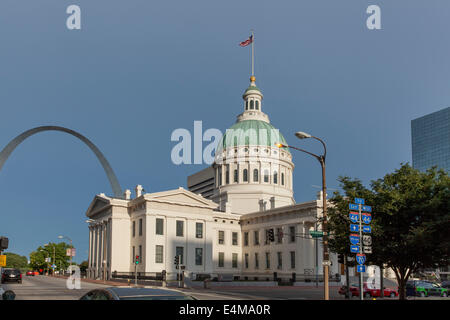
(182, 196)
(96, 205)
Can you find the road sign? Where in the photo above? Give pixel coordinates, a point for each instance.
(367, 240)
(361, 269)
(354, 238)
(2, 261)
(316, 234)
(354, 228)
(360, 258)
(73, 252)
(366, 208)
(68, 252)
(367, 229)
(353, 206)
(354, 249)
(359, 201)
(354, 217)
(367, 249)
(366, 218)
(326, 263)
(53, 266)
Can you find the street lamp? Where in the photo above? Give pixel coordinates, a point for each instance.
(66, 237)
(321, 159)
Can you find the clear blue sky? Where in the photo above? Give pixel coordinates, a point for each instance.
(140, 69)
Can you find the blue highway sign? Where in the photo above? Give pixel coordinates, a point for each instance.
(354, 249)
(359, 201)
(353, 206)
(366, 208)
(367, 229)
(361, 269)
(360, 258)
(354, 227)
(354, 217)
(366, 217)
(354, 239)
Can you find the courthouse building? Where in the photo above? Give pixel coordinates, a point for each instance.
(220, 225)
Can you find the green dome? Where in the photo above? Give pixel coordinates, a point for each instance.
(251, 133)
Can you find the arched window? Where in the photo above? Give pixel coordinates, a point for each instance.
(282, 178)
(266, 175)
(275, 177)
(246, 105)
(245, 177)
(227, 174)
(255, 175)
(252, 103)
(257, 105)
(220, 176)
(236, 175)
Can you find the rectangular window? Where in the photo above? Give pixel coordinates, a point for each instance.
(267, 241)
(159, 226)
(221, 259)
(256, 237)
(292, 259)
(279, 235)
(267, 260)
(134, 229)
(133, 257)
(221, 237)
(140, 227)
(179, 251)
(180, 228)
(199, 230)
(235, 238)
(159, 254)
(280, 260)
(256, 260)
(245, 238)
(198, 256)
(235, 260)
(140, 253)
(292, 234)
(246, 260)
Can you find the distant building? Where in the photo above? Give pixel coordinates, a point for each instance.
(430, 136)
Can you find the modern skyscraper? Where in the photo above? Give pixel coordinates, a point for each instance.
(431, 140)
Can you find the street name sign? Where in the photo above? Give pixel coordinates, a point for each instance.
(361, 269)
(360, 258)
(359, 200)
(316, 234)
(354, 217)
(354, 228)
(367, 229)
(366, 217)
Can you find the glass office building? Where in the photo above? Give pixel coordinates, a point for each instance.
(431, 140)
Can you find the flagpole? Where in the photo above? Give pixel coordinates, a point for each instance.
(253, 54)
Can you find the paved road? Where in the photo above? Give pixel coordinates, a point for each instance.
(47, 288)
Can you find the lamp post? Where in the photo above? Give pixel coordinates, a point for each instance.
(66, 237)
(321, 159)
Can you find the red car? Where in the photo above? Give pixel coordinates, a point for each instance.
(368, 293)
(30, 273)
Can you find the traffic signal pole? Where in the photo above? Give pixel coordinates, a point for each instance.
(361, 284)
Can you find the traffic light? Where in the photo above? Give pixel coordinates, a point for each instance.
(341, 258)
(4, 243)
(136, 260)
(271, 235)
(177, 260)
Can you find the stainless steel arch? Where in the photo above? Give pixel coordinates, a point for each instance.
(6, 152)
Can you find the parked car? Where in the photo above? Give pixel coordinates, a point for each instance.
(445, 284)
(36, 273)
(30, 273)
(130, 293)
(11, 274)
(369, 292)
(424, 288)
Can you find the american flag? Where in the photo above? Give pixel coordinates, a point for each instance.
(246, 42)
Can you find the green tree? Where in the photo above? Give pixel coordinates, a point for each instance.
(55, 251)
(14, 260)
(83, 266)
(410, 220)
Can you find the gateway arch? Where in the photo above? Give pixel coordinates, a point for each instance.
(6, 152)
